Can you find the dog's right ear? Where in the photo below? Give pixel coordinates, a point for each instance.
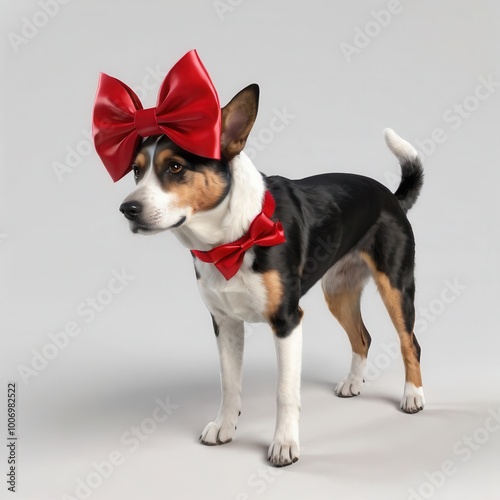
(238, 118)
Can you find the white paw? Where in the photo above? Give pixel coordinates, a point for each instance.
(218, 433)
(282, 453)
(349, 387)
(413, 399)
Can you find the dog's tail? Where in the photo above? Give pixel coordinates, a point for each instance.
(412, 173)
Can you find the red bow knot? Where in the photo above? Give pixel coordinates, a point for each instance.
(263, 232)
(146, 123)
(187, 111)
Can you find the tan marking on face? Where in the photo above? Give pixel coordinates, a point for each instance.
(201, 191)
(164, 155)
(142, 159)
(274, 288)
(346, 307)
(393, 301)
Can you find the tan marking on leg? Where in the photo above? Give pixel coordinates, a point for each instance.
(274, 288)
(412, 365)
(393, 301)
(345, 306)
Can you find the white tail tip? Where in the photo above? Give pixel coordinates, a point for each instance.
(401, 148)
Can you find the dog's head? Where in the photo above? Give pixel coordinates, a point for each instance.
(174, 185)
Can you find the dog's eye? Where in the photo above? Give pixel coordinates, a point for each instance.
(174, 167)
(135, 168)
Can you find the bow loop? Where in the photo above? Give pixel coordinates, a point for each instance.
(261, 227)
(187, 111)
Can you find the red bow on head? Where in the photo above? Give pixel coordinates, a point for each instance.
(263, 232)
(187, 111)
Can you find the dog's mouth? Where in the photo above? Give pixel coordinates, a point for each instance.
(137, 229)
(140, 229)
(179, 222)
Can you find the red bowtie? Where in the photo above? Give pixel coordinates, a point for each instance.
(187, 111)
(263, 232)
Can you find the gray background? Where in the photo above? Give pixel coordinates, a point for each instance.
(61, 238)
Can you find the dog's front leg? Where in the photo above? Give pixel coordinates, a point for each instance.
(230, 342)
(284, 449)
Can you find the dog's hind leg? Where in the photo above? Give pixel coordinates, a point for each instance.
(398, 296)
(342, 286)
(230, 342)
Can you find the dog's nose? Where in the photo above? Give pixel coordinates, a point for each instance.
(131, 209)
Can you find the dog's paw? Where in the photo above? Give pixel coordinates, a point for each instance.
(349, 387)
(413, 399)
(282, 453)
(215, 434)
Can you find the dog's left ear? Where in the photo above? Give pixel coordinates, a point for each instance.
(238, 118)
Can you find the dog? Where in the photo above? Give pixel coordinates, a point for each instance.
(339, 228)
(260, 243)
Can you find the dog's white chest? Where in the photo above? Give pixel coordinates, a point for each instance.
(242, 297)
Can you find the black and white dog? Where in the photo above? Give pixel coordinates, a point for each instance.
(357, 223)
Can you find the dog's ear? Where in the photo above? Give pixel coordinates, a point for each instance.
(238, 118)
